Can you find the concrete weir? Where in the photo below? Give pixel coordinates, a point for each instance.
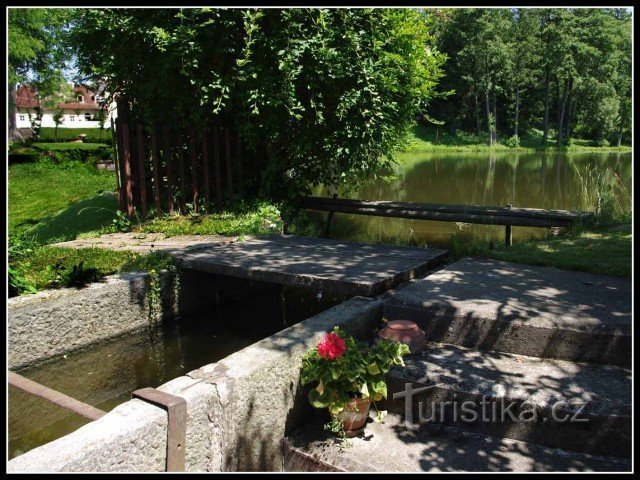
(239, 409)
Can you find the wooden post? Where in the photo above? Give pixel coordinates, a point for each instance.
(141, 171)
(194, 171)
(329, 218)
(183, 190)
(227, 148)
(508, 239)
(156, 172)
(167, 158)
(239, 160)
(126, 164)
(205, 168)
(218, 173)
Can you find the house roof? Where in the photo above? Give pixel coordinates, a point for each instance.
(26, 98)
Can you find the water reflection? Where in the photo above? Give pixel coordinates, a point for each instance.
(536, 180)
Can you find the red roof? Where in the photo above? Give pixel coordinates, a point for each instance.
(26, 98)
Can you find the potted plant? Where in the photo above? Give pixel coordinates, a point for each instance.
(348, 376)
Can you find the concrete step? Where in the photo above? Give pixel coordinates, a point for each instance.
(573, 406)
(535, 311)
(392, 447)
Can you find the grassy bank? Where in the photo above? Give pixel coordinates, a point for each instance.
(34, 267)
(605, 249)
(50, 201)
(437, 139)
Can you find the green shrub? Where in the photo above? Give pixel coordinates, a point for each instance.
(603, 142)
(18, 284)
(70, 152)
(24, 154)
(93, 135)
(513, 142)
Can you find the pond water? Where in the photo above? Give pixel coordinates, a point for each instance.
(535, 180)
(104, 375)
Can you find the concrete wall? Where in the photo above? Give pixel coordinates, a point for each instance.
(54, 322)
(239, 409)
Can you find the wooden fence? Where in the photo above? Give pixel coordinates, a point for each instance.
(165, 169)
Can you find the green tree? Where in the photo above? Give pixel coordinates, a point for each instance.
(524, 58)
(37, 52)
(320, 95)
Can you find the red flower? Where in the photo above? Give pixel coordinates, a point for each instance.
(332, 346)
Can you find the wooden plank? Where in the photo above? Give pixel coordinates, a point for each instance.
(142, 189)
(156, 170)
(218, 172)
(323, 203)
(508, 236)
(183, 189)
(239, 163)
(58, 398)
(126, 166)
(227, 148)
(205, 168)
(194, 171)
(169, 168)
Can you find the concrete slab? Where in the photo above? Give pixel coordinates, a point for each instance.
(536, 311)
(353, 268)
(391, 447)
(598, 395)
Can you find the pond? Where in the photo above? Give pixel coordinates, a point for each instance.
(105, 374)
(535, 180)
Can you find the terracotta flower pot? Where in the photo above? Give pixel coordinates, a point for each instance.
(354, 416)
(405, 332)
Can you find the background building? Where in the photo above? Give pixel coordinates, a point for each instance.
(83, 112)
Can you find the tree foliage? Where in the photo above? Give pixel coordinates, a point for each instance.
(322, 96)
(561, 69)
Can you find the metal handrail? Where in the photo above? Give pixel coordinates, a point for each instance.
(60, 399)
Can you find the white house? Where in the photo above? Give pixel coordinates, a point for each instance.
(81, 113)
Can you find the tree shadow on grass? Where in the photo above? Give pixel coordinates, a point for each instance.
(80, 217)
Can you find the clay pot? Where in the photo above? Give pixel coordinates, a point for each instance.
(354, 416)
(405, 332)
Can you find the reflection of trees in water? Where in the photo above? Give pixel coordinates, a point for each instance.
(535, 180)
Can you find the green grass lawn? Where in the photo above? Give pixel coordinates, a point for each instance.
(48, 134)
(68, 146)
(54, 202)
(604, 250)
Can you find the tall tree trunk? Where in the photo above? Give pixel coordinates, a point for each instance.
(563, 107)
(515, 129)
(619, 142)
(489, 129)
(477, 104)
(545, 130)
(495, 122)
(13, 111)
(570, 113)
